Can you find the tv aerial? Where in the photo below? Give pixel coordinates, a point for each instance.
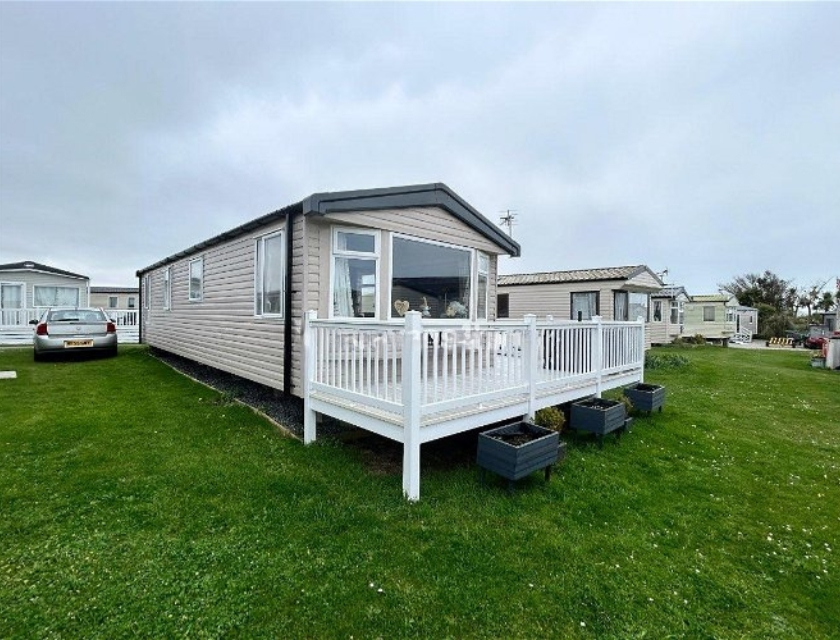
(508, 219)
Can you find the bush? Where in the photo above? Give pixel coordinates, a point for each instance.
(665, 361)
(550, 418)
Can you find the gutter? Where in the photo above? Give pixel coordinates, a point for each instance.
(287, 320)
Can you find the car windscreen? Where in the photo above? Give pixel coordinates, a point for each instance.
(77, 315)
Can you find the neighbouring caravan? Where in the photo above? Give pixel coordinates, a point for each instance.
(667, 317)
(614, 293)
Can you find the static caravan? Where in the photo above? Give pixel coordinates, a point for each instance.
(123, 298)
(614, 293)
(236, 301)
(667, 316)
(713, 316)
(28, 288)
(378, 308)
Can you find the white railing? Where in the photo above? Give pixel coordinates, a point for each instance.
(413, 371)
(15, 324)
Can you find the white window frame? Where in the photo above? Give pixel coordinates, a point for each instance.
(479, 255)
(713, 309)
(131, 303)
(147, 290)
(197, 297)
(459, 247)
(587, 292)
(35, 287)
(22, 286)
(13, 315)
(167, 289)
(376, 256)
(259, 249)
(113, 302)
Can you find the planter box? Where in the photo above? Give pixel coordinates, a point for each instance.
(598, 416)
(517, 450)
(646, 397)
(818, 363)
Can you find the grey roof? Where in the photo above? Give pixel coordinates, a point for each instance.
(420, 195)
(576, 275)
(114, 290)
(714, 297)
(28, 265)
(671, 291)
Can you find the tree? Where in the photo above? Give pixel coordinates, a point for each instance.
(767, 288)
(826, 303)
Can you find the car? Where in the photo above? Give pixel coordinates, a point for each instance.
(74, 330)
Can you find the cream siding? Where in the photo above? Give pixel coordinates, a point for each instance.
(645, 281)
(103, 299)
(31, 278)
(715, 330)
(220, 330)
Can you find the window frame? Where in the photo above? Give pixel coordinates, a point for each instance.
(200, 296)
(259, 274)
(479, 255)
(113, 302)
(166, 275)
(147, 290)
(22, 286)
(35, 288)
(620, 292)
(706, 308)
(375, 255)
(589, 292)
(131, 302)
(473, 284)
(657, 310)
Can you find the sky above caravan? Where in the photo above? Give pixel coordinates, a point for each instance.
(699, 138)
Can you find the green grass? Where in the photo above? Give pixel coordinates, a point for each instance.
(134, 503)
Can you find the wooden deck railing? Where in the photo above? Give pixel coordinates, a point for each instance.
(403, 380)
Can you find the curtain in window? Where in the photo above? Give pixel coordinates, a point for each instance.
(273, 275)
(11, 296)
(342, 290)
(584, 305)
(56, 296)
(620, 311)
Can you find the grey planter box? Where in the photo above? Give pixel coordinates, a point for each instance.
(518, 449)
(598, 416)
(646, 397)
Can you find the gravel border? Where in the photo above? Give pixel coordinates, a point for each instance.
(286, 412)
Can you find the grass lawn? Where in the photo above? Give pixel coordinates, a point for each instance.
(135, 502)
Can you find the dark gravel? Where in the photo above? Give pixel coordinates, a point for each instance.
(285, 410)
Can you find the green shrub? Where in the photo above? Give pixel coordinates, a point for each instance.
(665, 361)
(699, 338)
(550, 418)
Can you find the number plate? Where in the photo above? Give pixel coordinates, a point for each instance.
(73, 344)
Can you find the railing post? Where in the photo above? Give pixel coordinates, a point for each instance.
(309, 352)
(411, 397)
(598, 354)
(532, 363)
(641, 322)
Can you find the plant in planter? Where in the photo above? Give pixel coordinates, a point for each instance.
(646, 397)
(550, 418)
(598, 416)
(516, 450)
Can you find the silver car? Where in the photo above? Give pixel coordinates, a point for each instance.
(74, 330)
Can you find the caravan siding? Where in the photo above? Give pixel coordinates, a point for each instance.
(31, 279)
(221, 329)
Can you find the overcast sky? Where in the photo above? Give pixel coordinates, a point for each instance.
(701, 138)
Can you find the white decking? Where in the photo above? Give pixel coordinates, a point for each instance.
(16, 330)
(414, 382)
